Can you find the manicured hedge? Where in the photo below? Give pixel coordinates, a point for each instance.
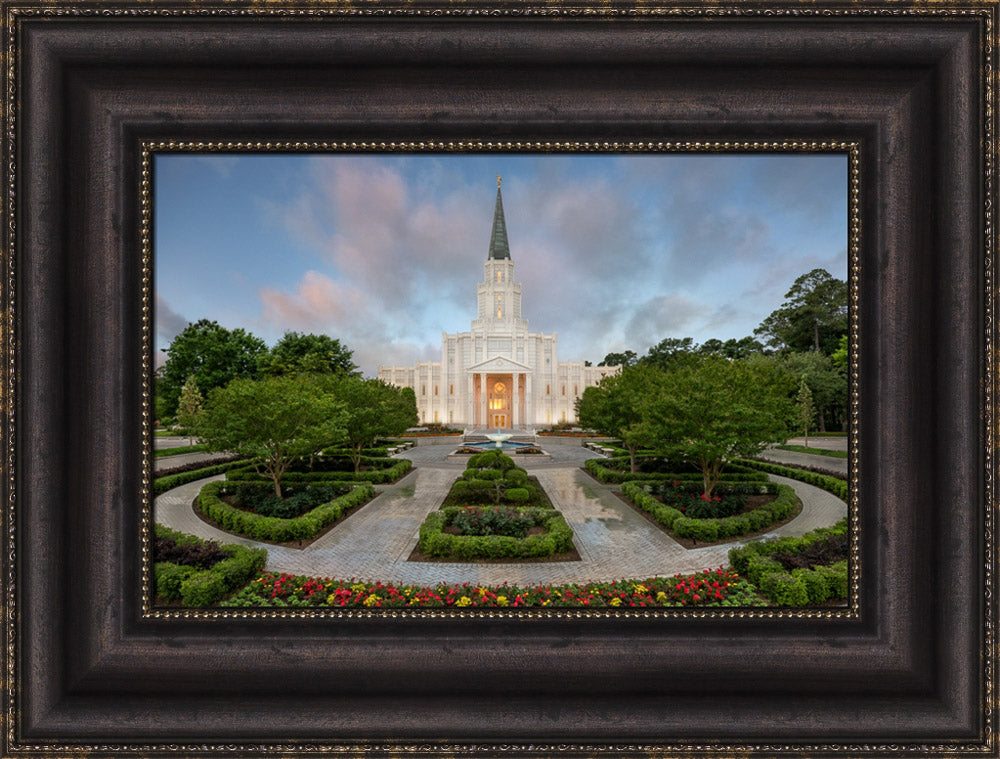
(709, 530)
(437, 543)
(799, 587)
(392, 471)
(204, 587)
(168, 482)
(179, 450)
(275, 529)
(828, 483)
(607, 470)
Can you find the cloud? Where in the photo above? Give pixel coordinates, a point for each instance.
(663, 316)
(168, 322)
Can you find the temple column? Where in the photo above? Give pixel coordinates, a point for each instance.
(470, 406)
(483, 413)
(529, 406)
(514, 405)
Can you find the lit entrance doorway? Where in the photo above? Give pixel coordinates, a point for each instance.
(498, 402)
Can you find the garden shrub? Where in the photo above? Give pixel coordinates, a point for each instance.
(203, 587)
(700, 529)
(169, 578)
(493, 521)
(758, 563)
(435, 542)
(517, 495)
(392, 471)
(169, 482)
(828, 483)
(615, 471)
(275, 529)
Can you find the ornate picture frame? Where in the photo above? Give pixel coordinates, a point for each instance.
(909, 668)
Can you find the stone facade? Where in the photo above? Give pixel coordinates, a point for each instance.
(498, 374)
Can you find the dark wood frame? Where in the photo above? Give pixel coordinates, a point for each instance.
(913, 671)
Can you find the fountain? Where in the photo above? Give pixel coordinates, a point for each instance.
(499, 438)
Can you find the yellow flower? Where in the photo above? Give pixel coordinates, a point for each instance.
(615, 601)
(331, 598)
(358, 587)
(546, 602)
(661, 597)
(463, 601)
(371, 600)
(639, 588)
(501, 600)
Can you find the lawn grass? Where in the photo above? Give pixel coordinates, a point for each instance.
(816, 451)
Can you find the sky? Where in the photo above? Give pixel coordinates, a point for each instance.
(384, 252)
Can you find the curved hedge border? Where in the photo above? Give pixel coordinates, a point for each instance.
(437, 543)
(830, 484)
(275, 529)
(600, 469)
(709, 530)
(168, 482)
(204, 587)
(395, 468)
(800, 586)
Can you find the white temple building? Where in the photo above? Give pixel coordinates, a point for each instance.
(498, 374)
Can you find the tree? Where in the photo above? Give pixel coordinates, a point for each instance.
(839, 356)
(624, 359)
(189, 408)
(711, 412)
(670, 351)
(813, 316)
(275, 420)
(372, 409)
(805, 403)
(295, 353)
(212, 355)
(827, 384)
(616, 407)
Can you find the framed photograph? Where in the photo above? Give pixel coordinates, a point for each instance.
(152, 151)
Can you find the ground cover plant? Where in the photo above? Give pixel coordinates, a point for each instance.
(816, 451)
(809, 570)
(712, 588)
(759, 514)
(179, 450)
(219, 502)
(197, 572)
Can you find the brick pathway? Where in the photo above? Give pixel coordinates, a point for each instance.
(613, 540)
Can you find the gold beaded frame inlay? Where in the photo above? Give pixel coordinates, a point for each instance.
(852, 151)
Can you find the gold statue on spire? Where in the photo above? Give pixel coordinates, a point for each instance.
(498, 181)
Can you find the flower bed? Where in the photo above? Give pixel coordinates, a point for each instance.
(615, 471)
(198, 572)
(380, 470)
(761, 563)
(435, 542)
(711, 588)
(712, 529)
(275, 529)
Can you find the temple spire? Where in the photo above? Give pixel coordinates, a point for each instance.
(498, 239)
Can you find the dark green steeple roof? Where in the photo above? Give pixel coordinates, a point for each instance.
(498, 238)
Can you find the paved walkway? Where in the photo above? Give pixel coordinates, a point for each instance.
(613, 540)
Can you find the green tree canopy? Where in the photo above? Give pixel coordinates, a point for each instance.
(372, 409)
(296, 353)
(711, 412)
(827, 384)
(623, 359)
(189, 408)
(813, 316)
(275, 420)
(670, 351)
(210, 354)
(616, 407)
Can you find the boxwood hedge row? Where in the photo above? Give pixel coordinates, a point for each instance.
(609, 471)
(205, 587)
(830, 484)
(799, 587)
(392, 471)
(275, 529)
(168, 482)
(709, 530)
(437, 543)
